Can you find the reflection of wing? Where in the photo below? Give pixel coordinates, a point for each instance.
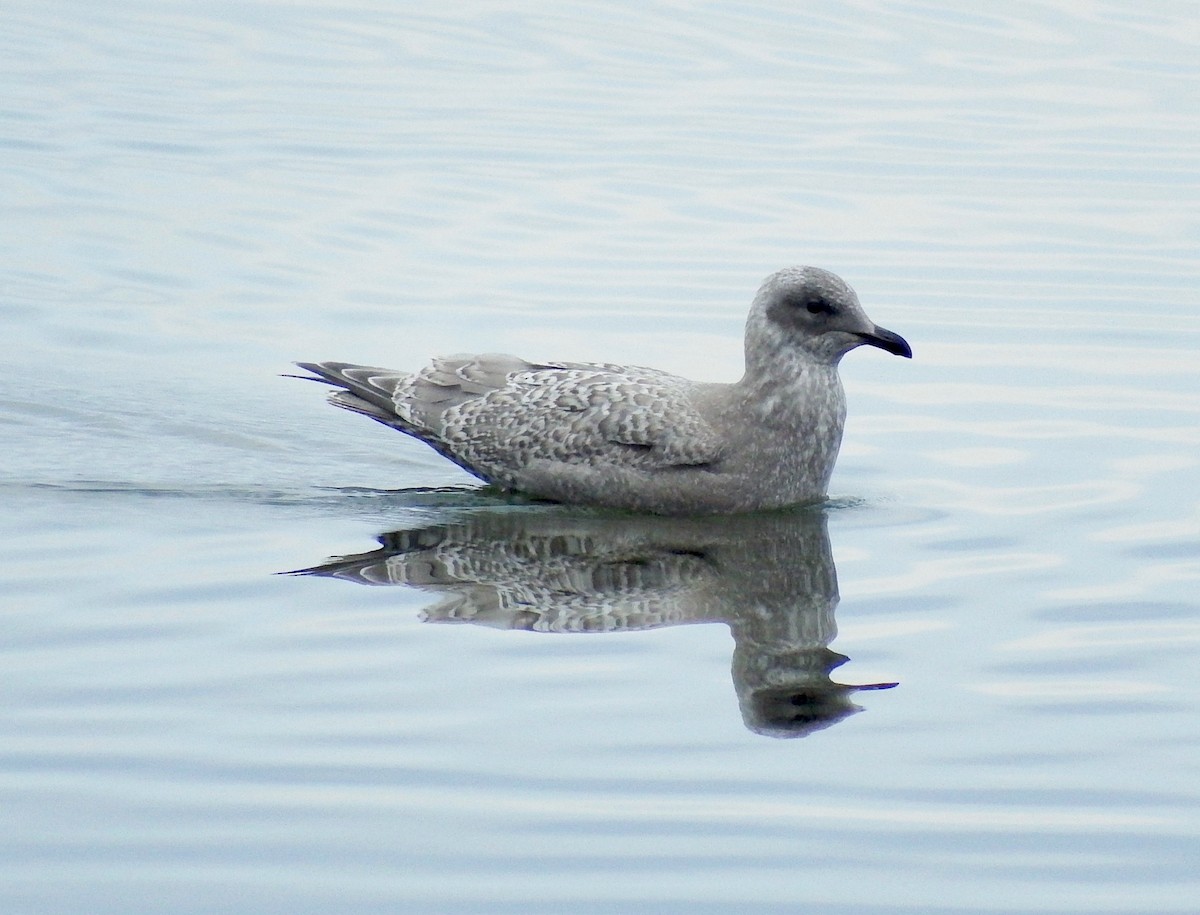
(495, 415)
(566, 579)
(770, 577)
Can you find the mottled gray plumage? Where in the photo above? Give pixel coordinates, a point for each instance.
(638, 438)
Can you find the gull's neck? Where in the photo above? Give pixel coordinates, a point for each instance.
(773, 362)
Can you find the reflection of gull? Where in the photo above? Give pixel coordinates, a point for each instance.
(638, 438)
(770, 577)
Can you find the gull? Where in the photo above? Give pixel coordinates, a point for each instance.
(641, 439)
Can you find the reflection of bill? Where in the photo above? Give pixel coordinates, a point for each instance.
(770, 577)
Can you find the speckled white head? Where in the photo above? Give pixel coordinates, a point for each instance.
(813, 311)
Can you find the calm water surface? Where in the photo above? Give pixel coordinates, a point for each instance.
(534, 709)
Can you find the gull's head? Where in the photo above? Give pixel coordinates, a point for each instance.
(815, 311)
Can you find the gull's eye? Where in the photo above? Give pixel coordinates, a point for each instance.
(818, 307)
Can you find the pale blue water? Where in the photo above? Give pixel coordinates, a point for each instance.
(194, 197)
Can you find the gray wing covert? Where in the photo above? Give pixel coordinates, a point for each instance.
(653, 411)
(588, 414)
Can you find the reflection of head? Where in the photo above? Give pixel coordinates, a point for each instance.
(791, 694)
(770, 577)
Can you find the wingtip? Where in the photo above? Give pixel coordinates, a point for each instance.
(316, 374)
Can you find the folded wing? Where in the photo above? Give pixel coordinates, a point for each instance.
(494, 414)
